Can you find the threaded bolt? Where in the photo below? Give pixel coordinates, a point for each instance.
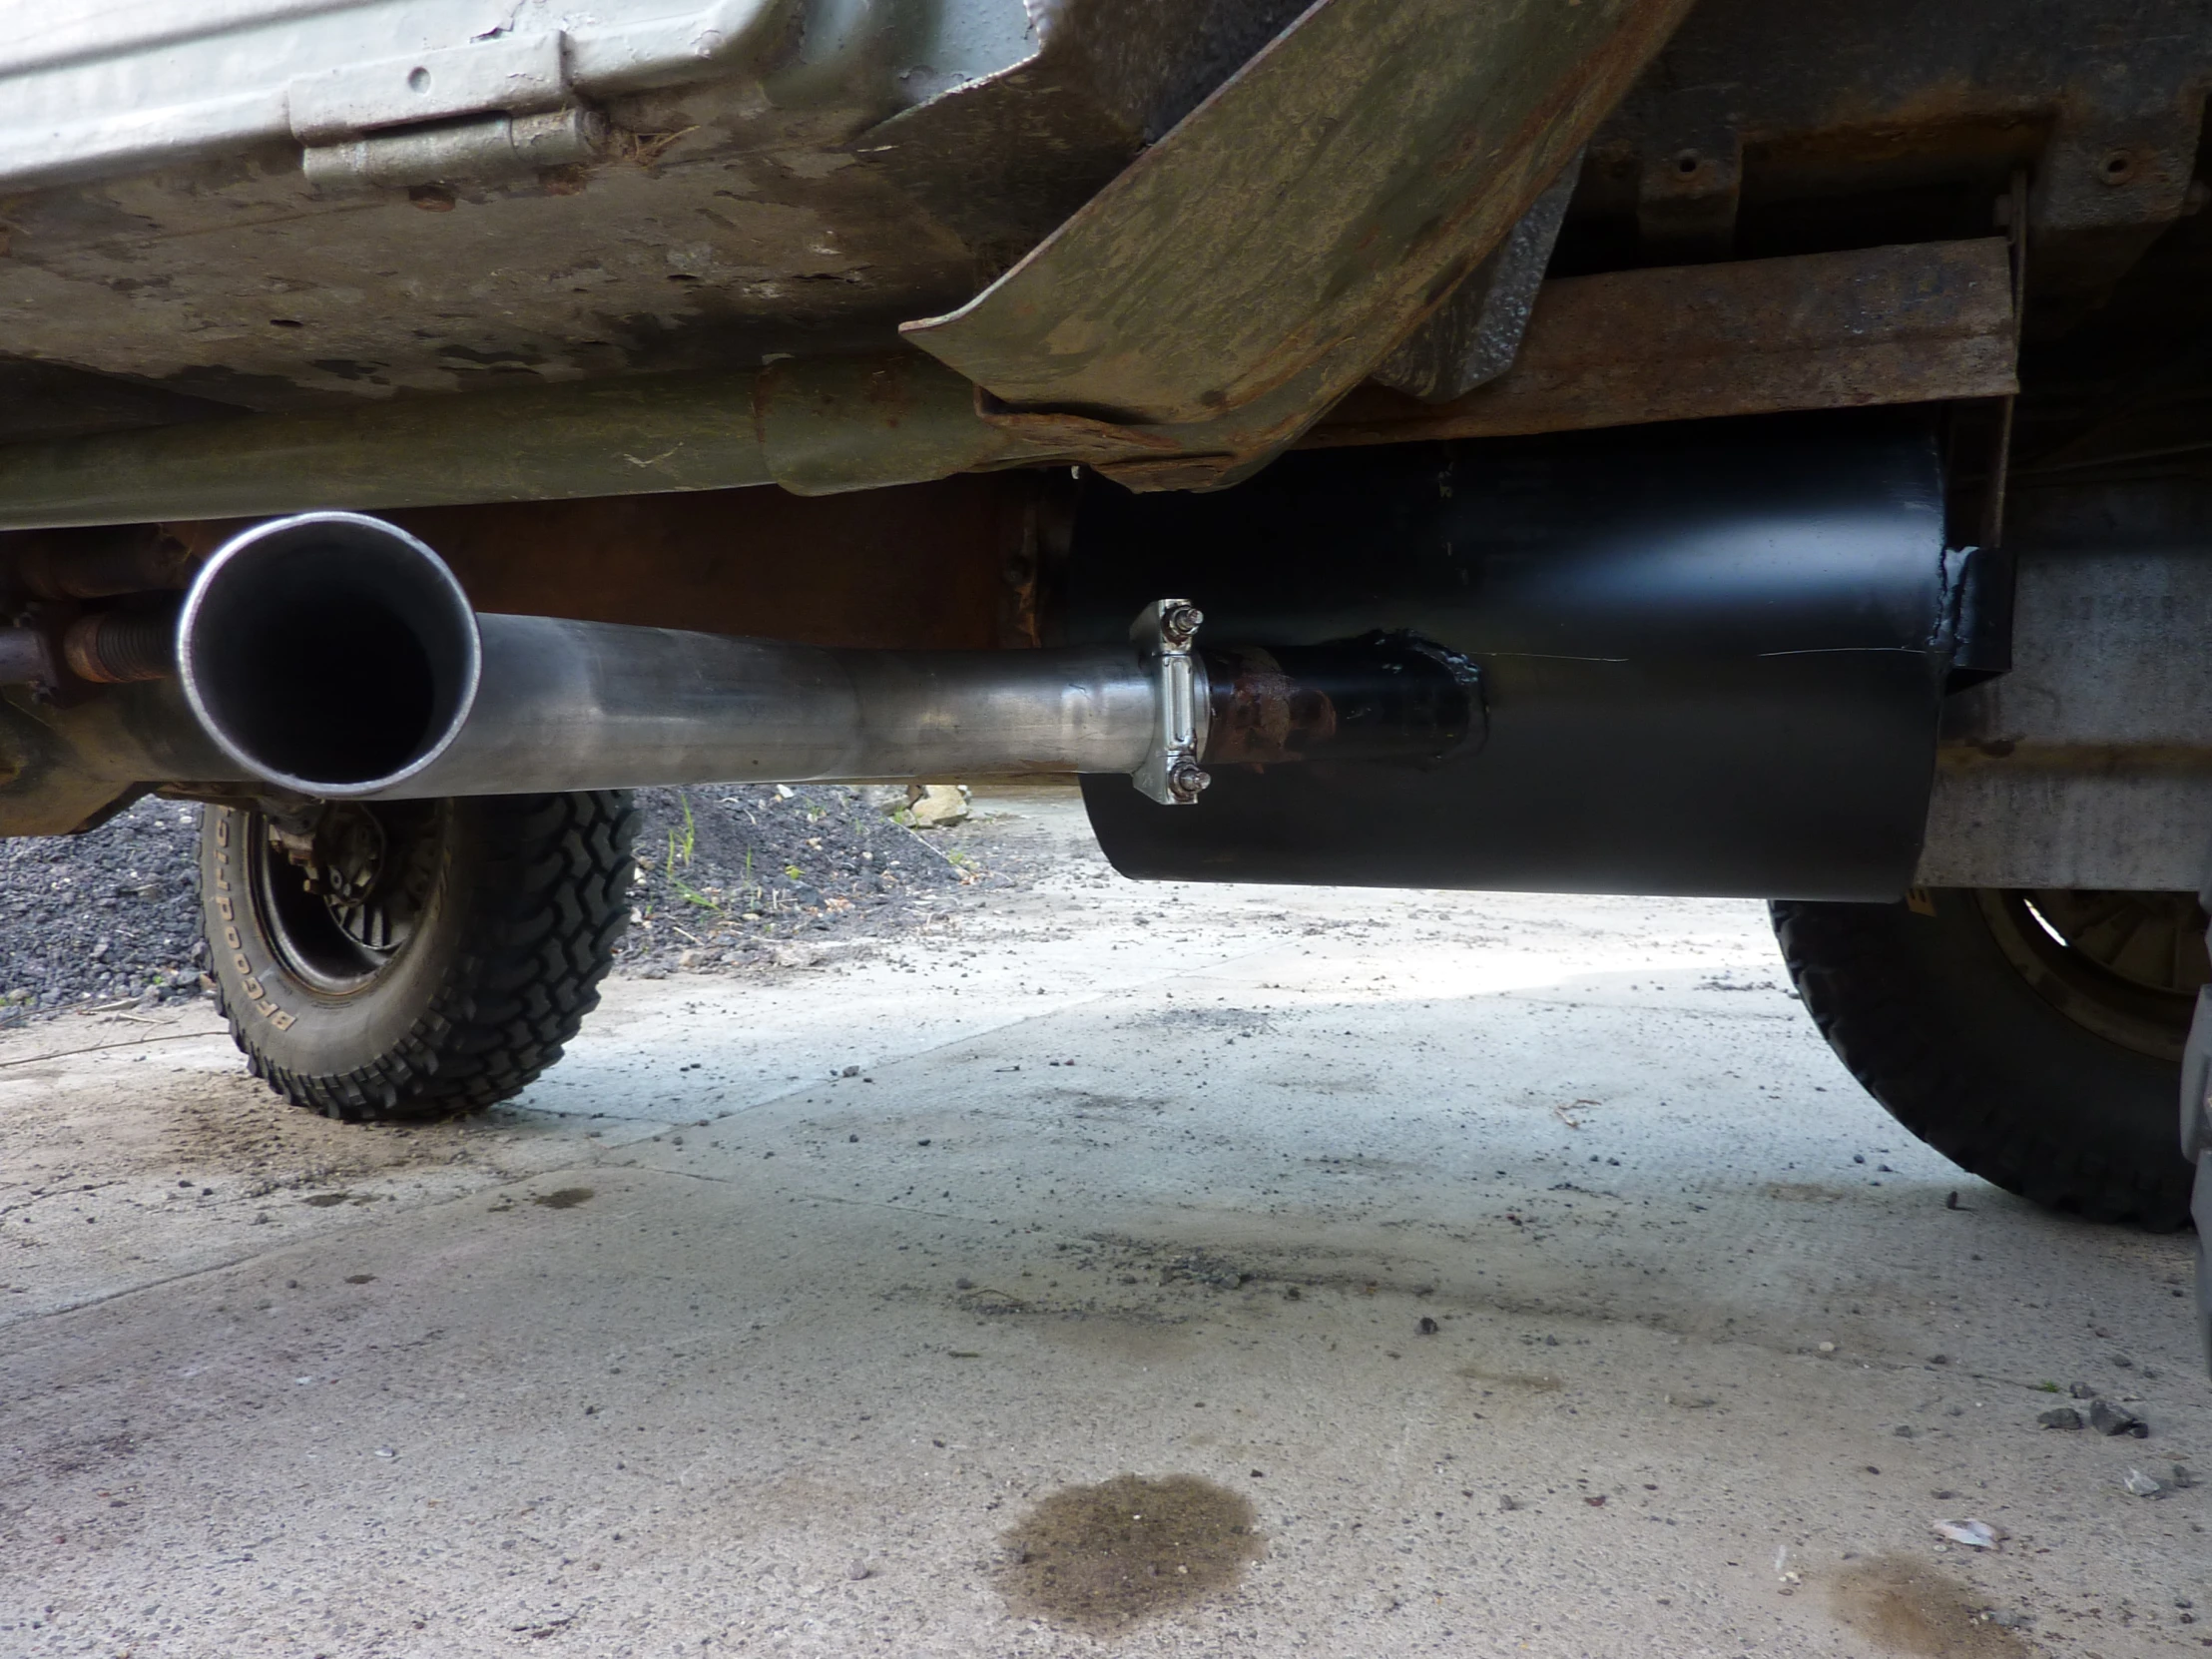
(1180, 622)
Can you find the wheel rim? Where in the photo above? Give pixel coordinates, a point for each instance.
(2126, 966)
(341, 908)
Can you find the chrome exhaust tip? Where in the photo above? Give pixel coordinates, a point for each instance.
(329, 653)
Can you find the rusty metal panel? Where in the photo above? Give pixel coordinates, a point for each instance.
(1761, 118)
(1258, 261)
(749, 178)
(1904, 324)
(944, 566)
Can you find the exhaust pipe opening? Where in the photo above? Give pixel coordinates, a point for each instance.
(331, 653)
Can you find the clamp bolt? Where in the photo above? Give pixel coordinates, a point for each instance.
(1181, 623)
(1185, 778)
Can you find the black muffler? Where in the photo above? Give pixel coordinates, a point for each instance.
(1694, 660)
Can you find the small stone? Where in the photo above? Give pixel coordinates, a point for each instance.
(2142, 1484)
(2108, 1419)
(1902, 1431)
(2082, 1391)
(1974, 1534)
(963, 1283)
(386, 1451)
(857, 1570)
(1506, 1502)
(1428, 1326)
(2060, 1416)
(1828, 1348)
(935, 805)
(2123, 1361)
(2184, 1476)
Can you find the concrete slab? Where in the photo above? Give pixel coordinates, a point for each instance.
(1454, 1274)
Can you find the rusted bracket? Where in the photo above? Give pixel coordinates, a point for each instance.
(1915, 324)
(1470, 339)
(1261, 260)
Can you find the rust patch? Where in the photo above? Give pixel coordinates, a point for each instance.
(1256, 706)
(1903, 1607)
(1099, 1558)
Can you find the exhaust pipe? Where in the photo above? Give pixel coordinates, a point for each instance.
(336, 655)
(1704, 661)
(329, 653)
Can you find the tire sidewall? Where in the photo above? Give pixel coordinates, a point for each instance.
(1926, 1009)
(283, 1018)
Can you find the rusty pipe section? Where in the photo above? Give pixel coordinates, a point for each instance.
(336, 655)
(98, 563)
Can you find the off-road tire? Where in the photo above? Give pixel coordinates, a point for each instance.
(522, 899)
(1951, 1032)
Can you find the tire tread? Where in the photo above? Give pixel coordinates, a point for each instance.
(539, 937)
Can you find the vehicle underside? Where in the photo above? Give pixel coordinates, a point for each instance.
(1724, 448)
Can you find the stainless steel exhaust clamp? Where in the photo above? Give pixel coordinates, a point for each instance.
(1162, 633)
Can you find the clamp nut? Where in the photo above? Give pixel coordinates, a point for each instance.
(1180, 624)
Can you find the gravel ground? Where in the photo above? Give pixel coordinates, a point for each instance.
(724, 874)
(91, 919)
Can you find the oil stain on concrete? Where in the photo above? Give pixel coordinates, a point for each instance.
(1099, 1558)
(1903, 1607)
